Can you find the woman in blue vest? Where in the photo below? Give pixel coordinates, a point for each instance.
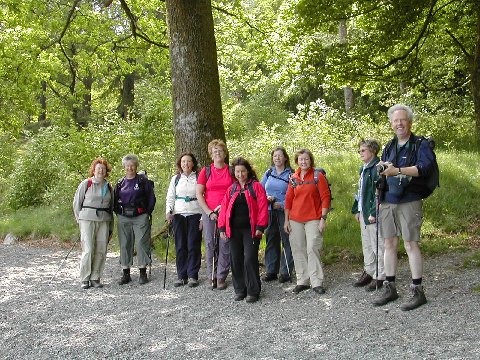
(275, 181)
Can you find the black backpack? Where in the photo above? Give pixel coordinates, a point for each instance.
(250, 188)
(423, 186)
(141, 202)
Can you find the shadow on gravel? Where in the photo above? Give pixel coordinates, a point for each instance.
(60, 320)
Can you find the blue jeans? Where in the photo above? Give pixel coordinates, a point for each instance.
(276, 236)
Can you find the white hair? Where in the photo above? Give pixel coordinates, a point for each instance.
(130, 157)
(397, 107)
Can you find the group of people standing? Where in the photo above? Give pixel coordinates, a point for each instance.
(234, 209)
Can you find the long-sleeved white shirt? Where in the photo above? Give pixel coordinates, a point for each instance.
(178, 196)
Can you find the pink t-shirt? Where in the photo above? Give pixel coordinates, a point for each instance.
(216, 185)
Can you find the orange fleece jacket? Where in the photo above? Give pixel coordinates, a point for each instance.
(304, 201)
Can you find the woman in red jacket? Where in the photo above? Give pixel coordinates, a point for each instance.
(306, 207)
(243, 218)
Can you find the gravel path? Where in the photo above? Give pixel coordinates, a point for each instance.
(60, 320)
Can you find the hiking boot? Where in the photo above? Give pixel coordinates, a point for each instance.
(85, 284)
(96, 284)
(239, 297)
(300, 288)
(143, 279)
(213, 284)
(179, 282)
(221, 284)
(284, 278)
(192, 282)
(374, 285)
(269, 277)
(363, 280)
(125, 279)
(319, 290)
(251, 298)
(417, 299)
(389, 294)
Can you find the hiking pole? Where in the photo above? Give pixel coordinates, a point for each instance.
(377, 220)
(166, 254)
(282, 243)
(215, 244)
(151, 248)
(63, 261)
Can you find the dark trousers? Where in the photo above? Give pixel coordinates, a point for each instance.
(188, 245)
(244, 262)
(274, 256)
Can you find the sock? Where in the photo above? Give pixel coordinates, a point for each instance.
(417, 281)
(390, 278)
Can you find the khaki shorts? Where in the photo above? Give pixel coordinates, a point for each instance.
(403, 220)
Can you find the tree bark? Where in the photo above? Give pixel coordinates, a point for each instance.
(197, 108)
(127, 100)
(347, 90)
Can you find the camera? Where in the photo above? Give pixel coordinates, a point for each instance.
(381, 168)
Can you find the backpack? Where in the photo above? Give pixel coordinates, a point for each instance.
(90, 181)
(250, 188)
(179, 175)
(295, 182)
(208, 170)
(269, 173)
(419, 185)
(142, 201)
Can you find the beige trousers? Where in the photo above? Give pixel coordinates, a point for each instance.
(94, 239)
(306, 242)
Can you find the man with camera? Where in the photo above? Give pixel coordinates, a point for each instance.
(404, 167)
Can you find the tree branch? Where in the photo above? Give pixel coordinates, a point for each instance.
(415, 43)
(135, 29)
(460, 45)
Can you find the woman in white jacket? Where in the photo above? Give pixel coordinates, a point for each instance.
(183, 210)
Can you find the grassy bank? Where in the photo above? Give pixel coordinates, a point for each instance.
(452, 213)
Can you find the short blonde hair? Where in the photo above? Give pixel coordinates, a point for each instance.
(217, 143)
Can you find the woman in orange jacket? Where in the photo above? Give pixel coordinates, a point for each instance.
(243, 218)
(306, 207)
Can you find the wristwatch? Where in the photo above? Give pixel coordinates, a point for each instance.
(324, 217)
(399, 171)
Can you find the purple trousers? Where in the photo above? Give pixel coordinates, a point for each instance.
(216, 249)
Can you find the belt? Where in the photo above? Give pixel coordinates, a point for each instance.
(186, 198)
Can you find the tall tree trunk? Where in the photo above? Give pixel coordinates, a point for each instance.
(128, 94)
(347, 90)
(197, 108)
(84, 112)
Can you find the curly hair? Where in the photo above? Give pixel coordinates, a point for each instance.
(94, 163)
(251, 174)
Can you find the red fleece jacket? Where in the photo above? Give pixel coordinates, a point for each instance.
(305, 202)
(258, 209)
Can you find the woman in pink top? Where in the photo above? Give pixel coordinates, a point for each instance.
(213, 181)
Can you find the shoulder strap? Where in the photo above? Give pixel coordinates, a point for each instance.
(268, 173)
(250, 188)
(89, 183)
(177, 179)
(207, 172)
(234, 188)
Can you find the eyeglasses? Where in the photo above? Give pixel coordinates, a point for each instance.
(362, 151)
